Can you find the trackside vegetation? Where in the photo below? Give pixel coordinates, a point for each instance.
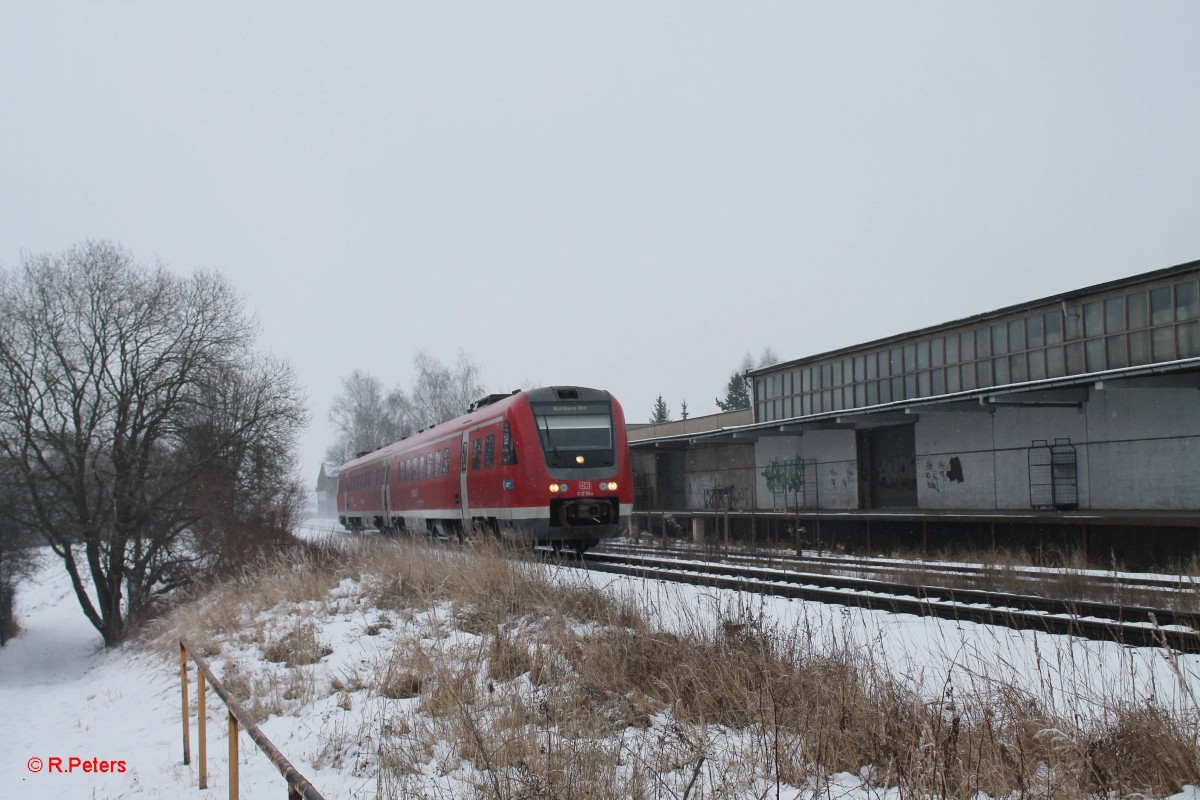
(437, 672)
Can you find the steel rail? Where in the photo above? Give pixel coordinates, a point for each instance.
(299, 787)
(990, 608)
(867, 564)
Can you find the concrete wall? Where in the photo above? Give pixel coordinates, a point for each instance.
(708, 422)
(837, 465)
(992, 453)
(1136, 449)
(720, 476)
(1144, 450)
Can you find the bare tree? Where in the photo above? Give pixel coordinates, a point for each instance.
(366, 418)
(440, 393)
(16, 551)
(126, 396)
(768, 357)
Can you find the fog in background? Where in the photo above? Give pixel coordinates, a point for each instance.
(625, 195)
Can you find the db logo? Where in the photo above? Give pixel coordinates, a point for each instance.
(585, 486)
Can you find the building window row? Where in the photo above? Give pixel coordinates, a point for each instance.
(1129, 329)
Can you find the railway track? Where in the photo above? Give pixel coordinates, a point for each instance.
(1137, 626)
(1133, 625)
(864, 564)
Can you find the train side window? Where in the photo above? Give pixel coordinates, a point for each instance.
(476, 453)
(425, 466)
(446, 462)
(462, 458)
(508, 451)
(437, 463)
(489, 451)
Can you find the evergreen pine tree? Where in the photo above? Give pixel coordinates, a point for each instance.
(737, 395)
(661, 413)
(683, 410)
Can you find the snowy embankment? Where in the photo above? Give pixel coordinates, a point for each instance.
(64, 696)
(372, 691)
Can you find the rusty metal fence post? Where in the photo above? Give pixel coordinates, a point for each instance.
(201, 719)
(187, 747)
(233, 757)
(299, 787)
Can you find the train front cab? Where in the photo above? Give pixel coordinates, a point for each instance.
(581, 450)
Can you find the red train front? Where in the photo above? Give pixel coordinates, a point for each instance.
(548, 465)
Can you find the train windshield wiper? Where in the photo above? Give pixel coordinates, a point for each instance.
(549, 439)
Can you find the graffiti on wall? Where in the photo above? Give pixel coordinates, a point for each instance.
(846, 480)
(941, 473)
(785, 475)
(792, 482)
(893, 471)
(725, 497)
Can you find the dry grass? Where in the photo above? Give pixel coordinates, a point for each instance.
(509, 683)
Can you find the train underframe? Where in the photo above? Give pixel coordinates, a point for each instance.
(578, 524)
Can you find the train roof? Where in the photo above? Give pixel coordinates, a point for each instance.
(483, 408)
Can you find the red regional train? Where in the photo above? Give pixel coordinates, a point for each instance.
(548, 466)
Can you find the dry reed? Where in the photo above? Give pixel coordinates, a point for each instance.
(501, 677)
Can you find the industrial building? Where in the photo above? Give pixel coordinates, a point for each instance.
(1077, 414)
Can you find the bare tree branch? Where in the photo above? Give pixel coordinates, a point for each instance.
(124, 392)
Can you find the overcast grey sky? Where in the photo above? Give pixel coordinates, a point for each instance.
(626, 195)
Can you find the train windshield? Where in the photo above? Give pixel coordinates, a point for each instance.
(569, 430)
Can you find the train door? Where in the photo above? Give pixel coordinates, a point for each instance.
(464, 504)
(385, 500)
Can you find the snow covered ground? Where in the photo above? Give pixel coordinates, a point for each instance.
(64, 696)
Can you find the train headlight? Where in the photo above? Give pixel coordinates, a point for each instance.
(609, 486)
(558, 487)
(579, 459)
(554, 487)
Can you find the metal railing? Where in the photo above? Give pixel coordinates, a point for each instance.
(298, 786)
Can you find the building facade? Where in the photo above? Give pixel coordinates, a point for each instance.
(1086, 401)
(1083, 400)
